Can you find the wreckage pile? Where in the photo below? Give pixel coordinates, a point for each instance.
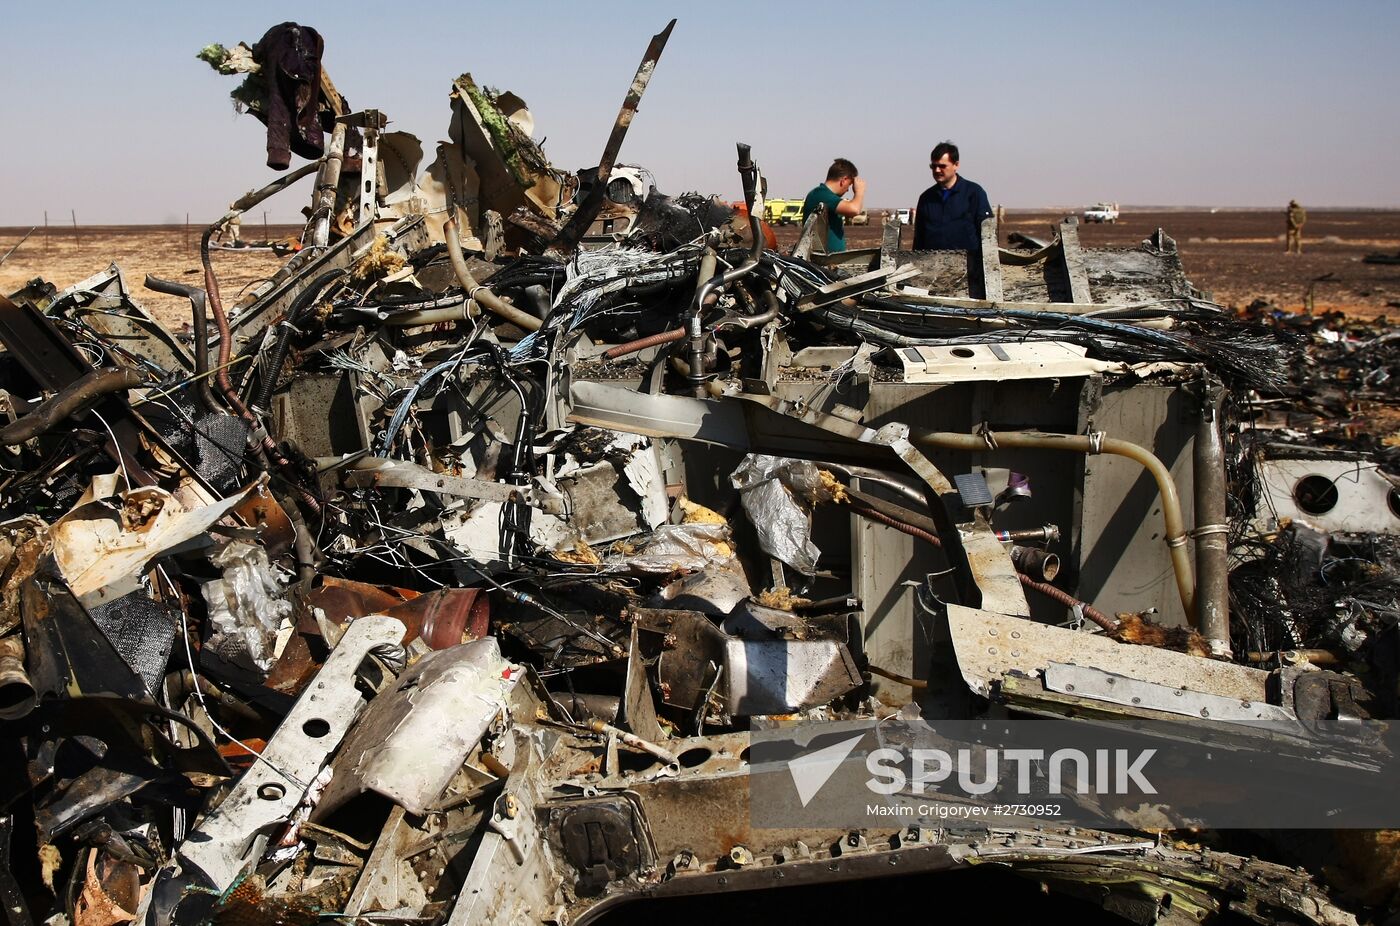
(1341, 385)
(446, 575)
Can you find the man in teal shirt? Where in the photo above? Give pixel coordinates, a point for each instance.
(841, 179)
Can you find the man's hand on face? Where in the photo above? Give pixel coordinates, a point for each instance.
(858, 185)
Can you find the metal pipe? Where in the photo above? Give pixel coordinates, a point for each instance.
(748, 176)
(1035, 562)
(705, 294)
(318, 228)
(887, 479)
(917, 684)
(68, 401)
(722, 280)
(475, 291)
(18, 243)
(636, 742)
(199, 306)
(243, 204)
(748, 173)
(455, 313)
(265, 445)
(631, 347)
(864, 500)
(216, 306)
(831, 605)
(1050, 591)
(756, 318)
(1292, 657)
(1088, 444)
(17, 695)
(1212, 528)
(251, 199)
(770, 299)
(709, 260)
(302, 544)
(1047, 534)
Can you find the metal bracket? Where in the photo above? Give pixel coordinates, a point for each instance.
(1085, 682)
(227, 841)
(378, 472)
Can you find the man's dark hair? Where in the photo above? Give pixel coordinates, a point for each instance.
(842, 168)
(942, 148)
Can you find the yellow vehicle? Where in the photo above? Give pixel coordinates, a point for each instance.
(782, 211)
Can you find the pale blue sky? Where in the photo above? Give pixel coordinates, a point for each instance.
(106, 111)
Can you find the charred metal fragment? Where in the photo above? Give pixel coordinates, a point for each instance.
(568, 238)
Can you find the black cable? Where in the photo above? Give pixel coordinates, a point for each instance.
(304, 300)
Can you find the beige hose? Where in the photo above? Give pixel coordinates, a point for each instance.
(477, 292)
(1171, 502)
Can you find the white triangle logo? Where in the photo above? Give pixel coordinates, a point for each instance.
(812, 771)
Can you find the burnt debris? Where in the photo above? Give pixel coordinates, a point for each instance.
(451, 574)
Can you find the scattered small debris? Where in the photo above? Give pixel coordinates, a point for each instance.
(447, 575)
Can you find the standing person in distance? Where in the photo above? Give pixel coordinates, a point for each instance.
(1297, 215)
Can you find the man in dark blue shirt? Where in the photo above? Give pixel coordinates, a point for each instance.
(950, 213)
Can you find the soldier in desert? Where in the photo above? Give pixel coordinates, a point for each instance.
(1296, 217)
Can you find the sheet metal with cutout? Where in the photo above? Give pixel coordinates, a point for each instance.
(962, 363)
(226, 841)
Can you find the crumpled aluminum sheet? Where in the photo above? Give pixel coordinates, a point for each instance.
(246, 607)
(714, 582)
(716, 589)
(687, 547)
(766, 487)
(414, 737)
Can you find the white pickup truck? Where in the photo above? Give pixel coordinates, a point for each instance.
(1101, 212)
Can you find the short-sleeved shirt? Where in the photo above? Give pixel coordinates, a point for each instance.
(822, 195)
(951, 220)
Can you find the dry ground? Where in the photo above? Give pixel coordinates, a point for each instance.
(1238, 256)
(159, 250)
